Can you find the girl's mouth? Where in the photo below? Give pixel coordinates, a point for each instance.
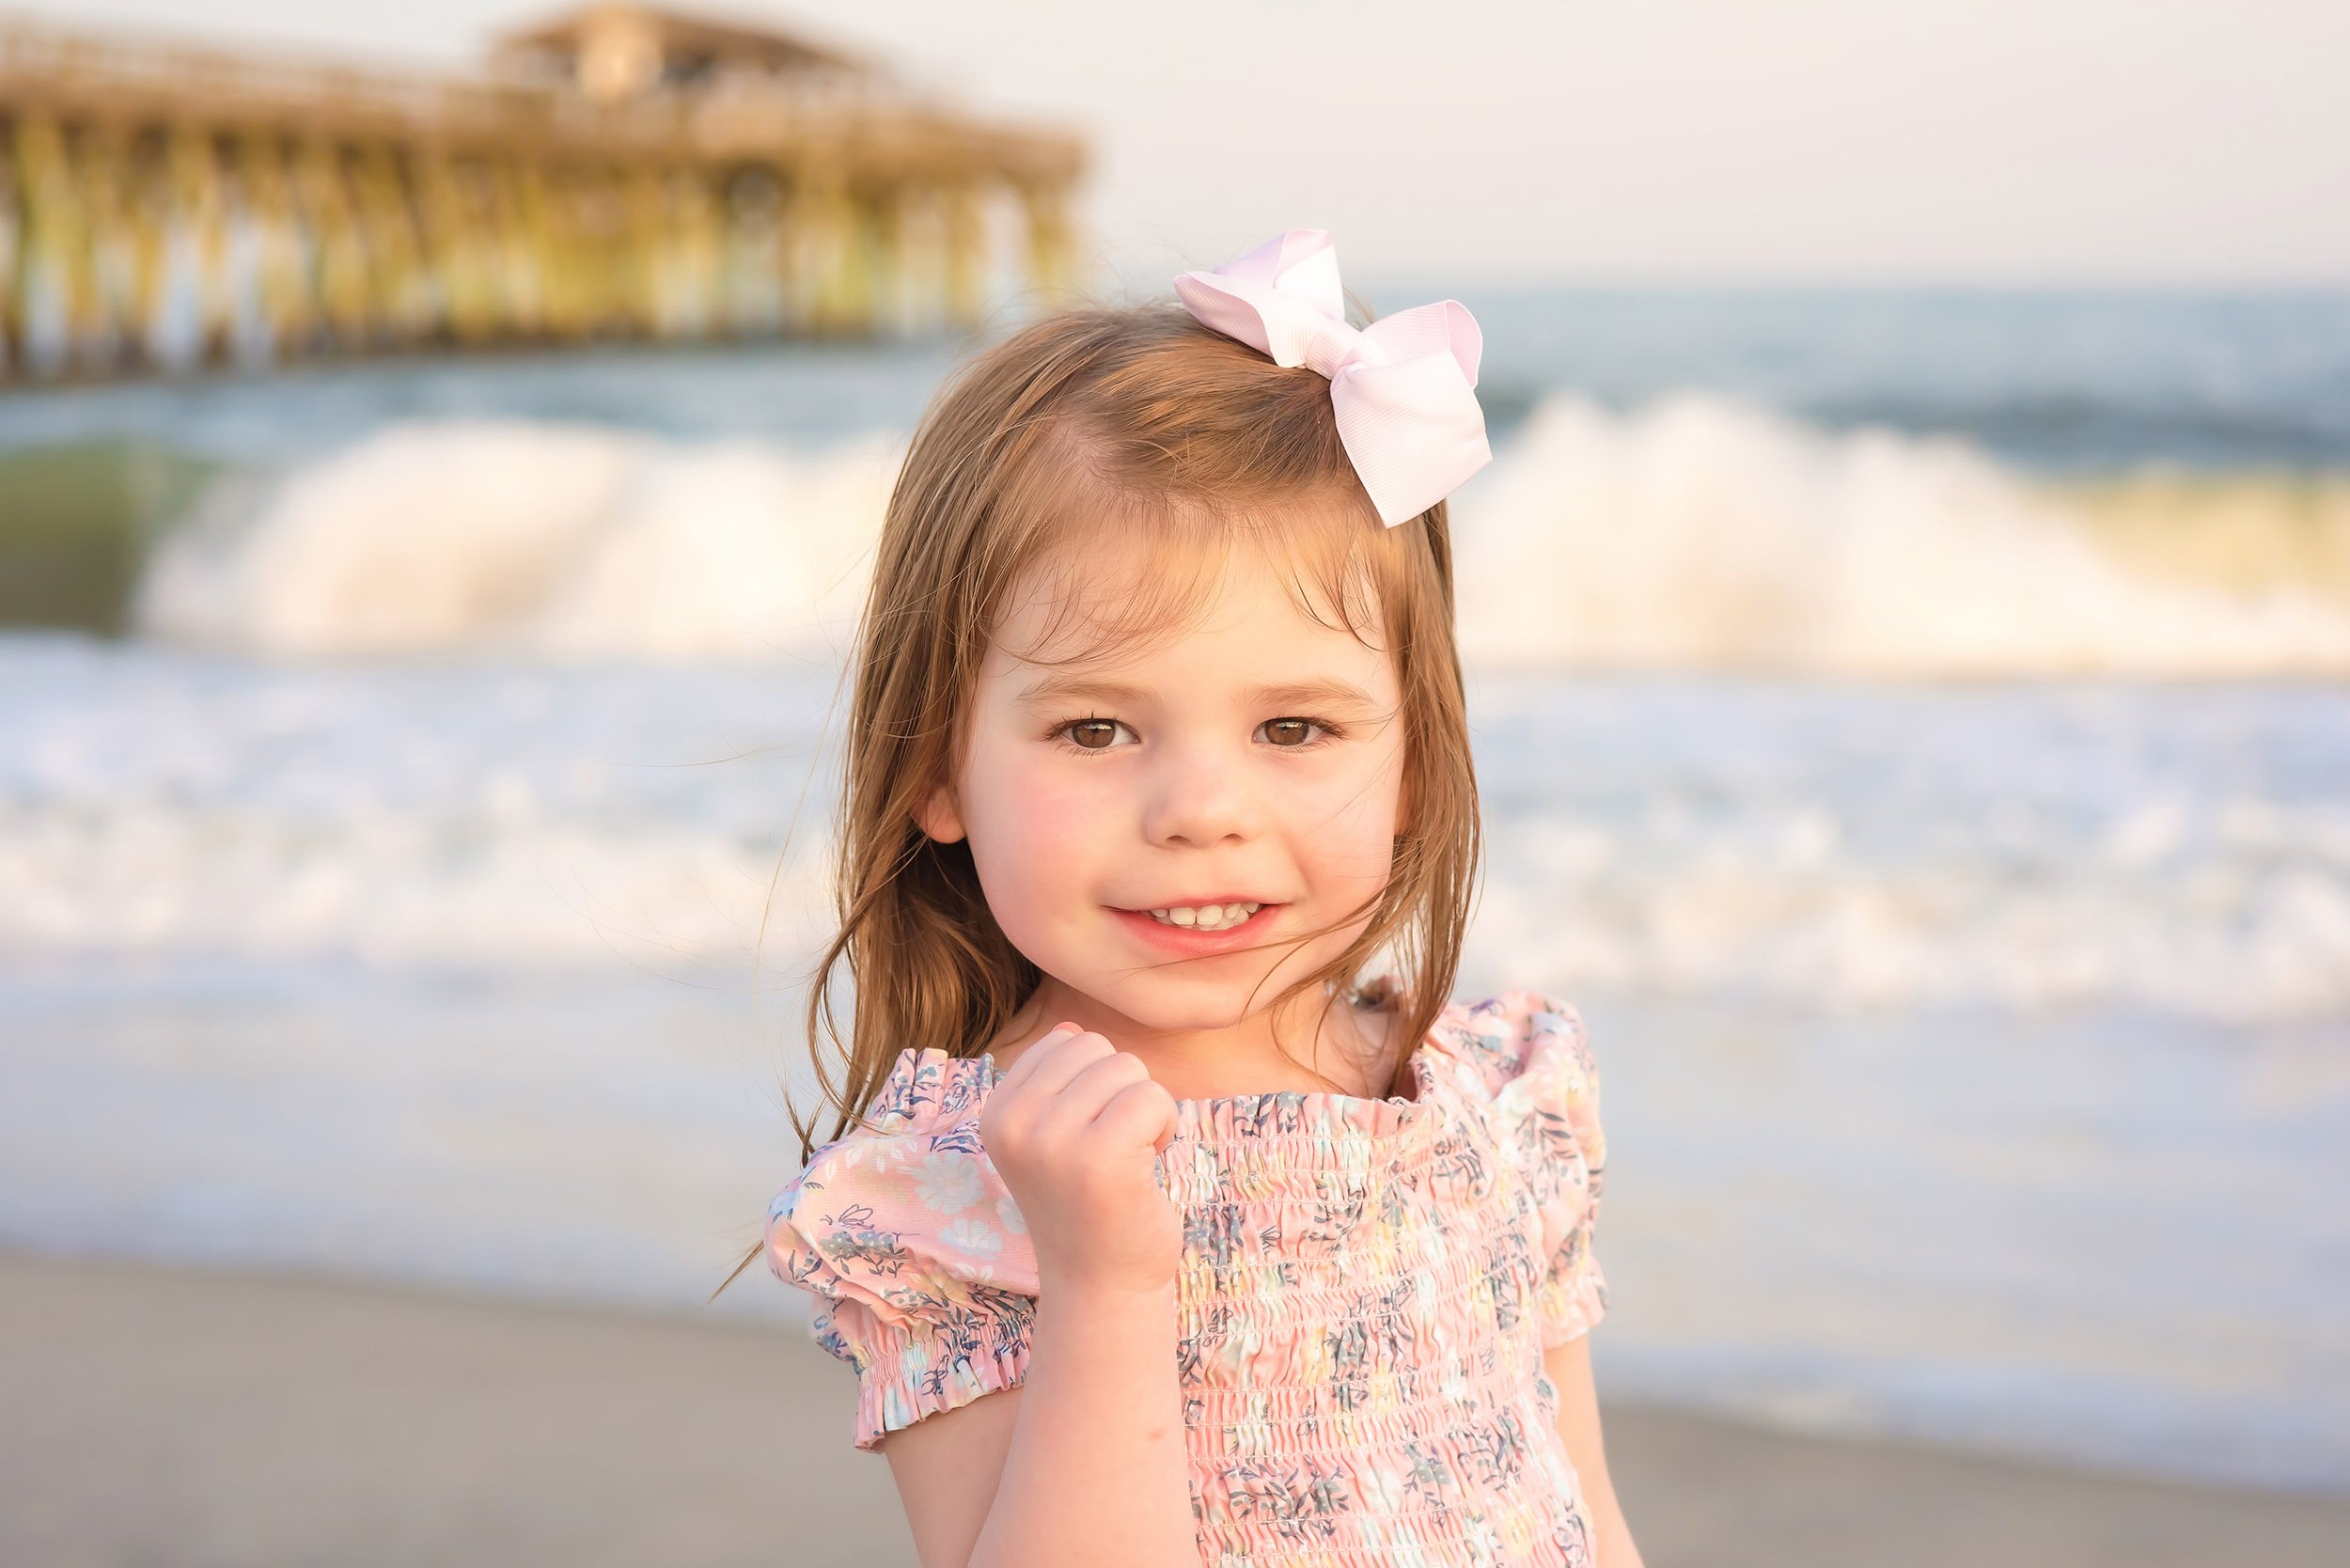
(1203, 927)
(1206, 916)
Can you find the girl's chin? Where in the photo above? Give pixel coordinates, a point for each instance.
(1180, 998)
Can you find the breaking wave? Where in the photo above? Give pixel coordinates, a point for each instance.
(1696, 533)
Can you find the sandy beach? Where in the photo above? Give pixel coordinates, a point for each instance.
(161, 1415)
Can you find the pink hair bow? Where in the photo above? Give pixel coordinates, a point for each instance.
(1403, 389)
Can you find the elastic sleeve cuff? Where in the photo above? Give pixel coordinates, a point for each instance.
(912, 1368)
(1571, 1301)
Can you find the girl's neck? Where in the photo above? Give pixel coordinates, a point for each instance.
(1315, 1042)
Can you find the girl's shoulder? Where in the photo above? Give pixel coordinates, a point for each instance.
(913, 1247)
(905, 1211)
(917, 1143)
(1523, 1037)
(928, 1090)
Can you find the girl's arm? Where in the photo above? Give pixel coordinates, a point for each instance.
(1083, 1463)
(1568, 1367)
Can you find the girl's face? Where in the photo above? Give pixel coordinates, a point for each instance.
(1156, 827)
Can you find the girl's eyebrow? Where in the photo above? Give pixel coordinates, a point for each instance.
(1312, 694)
(1301, 693)
(1064, 688)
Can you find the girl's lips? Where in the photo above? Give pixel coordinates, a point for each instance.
(1191, 939)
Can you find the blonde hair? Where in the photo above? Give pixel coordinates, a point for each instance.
(1187, 442)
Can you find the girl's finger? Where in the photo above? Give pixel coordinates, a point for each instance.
(1096, 1083)
(1140, 1111)
(1069, 1113)
(1059, 1060)
(1023, 1064)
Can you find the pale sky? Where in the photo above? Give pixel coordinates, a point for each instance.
(1641, 141)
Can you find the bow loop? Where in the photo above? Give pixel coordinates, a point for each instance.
(1402, 390)
(1445, 327)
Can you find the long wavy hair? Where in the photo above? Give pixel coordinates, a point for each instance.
(1189, 443)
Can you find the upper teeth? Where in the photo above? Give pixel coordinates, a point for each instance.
(1207, 917)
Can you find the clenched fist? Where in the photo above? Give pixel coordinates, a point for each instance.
(1073, 1127)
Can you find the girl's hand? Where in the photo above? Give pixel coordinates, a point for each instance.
(1073, 1127)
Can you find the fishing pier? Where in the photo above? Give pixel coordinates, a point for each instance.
(618, 173)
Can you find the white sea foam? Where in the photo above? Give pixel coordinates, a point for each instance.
(1701, 532)
(1695, 533)
(489, 880)
(1798, 920)
(567, 541)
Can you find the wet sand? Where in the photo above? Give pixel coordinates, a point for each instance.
(175, 1416)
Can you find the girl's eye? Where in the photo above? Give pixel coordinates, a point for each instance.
(1091, 734)
(1290, 732)
(1104, 734)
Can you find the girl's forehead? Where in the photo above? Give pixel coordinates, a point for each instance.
(1122, 602)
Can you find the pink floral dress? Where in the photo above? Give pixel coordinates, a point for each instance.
(1366, 1290)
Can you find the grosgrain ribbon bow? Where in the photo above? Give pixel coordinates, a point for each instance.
(1403, 389)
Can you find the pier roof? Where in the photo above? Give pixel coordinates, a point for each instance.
(614, 49)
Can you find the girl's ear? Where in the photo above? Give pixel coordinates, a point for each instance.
(939, 817)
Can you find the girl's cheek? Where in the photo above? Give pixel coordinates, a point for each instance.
(1039, 805)
(1031, 861)
(1346, 809)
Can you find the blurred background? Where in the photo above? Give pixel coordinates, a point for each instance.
(1909, 627)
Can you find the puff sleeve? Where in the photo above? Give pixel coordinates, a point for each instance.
(918, 1261)
(1551, 1101)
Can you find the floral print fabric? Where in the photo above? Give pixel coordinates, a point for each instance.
(1366, 1290)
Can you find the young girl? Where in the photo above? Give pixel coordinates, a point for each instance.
(1156, 1232)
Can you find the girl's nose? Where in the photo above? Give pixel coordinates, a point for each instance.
(1202, 800)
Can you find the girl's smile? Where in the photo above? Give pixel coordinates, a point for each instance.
(1208, 926)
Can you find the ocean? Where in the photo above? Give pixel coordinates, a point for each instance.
(1913, 731)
